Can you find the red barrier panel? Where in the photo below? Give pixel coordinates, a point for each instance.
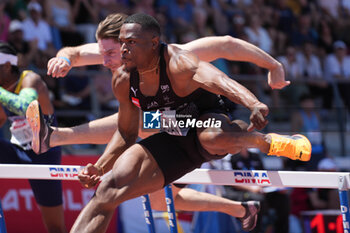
(20, 209)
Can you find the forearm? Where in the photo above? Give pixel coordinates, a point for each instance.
(239, 50)
(212, 48)
(215, 81)
(87, 54)
(239, 94)
(114, 149)
(17, 104)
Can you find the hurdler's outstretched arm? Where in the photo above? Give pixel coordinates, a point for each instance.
(207, 49)
(234, 49)
(83, 55)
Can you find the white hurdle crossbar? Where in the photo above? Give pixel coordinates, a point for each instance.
(294, 179)
(44, 172)
(329, 180)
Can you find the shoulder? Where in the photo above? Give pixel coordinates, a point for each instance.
(181, 61)
(31, 78)
(34, 80)
(121, 83)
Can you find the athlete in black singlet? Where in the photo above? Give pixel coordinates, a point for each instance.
(177, 151)
(138, 169)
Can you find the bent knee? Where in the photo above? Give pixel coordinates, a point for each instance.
(107, 193)
(240, 125)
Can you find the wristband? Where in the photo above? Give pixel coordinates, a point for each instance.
(66, 59)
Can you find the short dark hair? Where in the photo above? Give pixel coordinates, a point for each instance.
(147, 22)
(8, 49)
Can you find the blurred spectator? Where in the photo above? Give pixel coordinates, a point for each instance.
(112, 6)
(303, 199)
(4, 21)
(76, 90)
(229, 8)
(291, 66)
(201, 15)
(306, 120)
(337, 67)
(181, 17)
(25, 50)
(60, 16)
(238, 27)
(325, 39)
(257, 35)
(38, 31)
(330, 8)
(275, 203)
(311, 72)
(304, 31)
(85, 15)
(293, 72)
(220, 22)
(17, 9)
(144, 6)
(302, 6)
(247, 159)
(308, 62)
(104, 92)
(284, 17)
(325, 198)
(338, 64)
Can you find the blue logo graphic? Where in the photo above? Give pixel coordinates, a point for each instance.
(151, 120)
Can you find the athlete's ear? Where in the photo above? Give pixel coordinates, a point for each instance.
(155, 42)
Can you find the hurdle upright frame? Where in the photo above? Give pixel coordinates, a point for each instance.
(292, 179)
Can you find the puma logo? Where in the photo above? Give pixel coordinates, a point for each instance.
(165, 88)
(134, 90)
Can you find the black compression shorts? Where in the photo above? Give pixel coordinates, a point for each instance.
(177, 155)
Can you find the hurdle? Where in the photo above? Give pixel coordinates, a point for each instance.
(147, 210)
(329, 180)
(2, 221)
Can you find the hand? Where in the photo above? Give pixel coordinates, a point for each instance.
(276, 77)
(258, 117)
(90, 176)
(58, 67)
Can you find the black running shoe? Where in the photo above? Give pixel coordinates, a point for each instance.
(250, 218)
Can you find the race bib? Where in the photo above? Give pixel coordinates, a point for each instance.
(21, 133)
(171, 125)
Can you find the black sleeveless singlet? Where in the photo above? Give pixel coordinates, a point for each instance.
(195, 104)
(175, 154)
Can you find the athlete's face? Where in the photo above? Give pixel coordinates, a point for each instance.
(110, 50)
(5, 73)
(136, 46)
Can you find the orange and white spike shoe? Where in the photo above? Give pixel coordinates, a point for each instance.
(295, 147)
(41, 131)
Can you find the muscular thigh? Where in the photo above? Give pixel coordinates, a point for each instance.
(135, 173)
